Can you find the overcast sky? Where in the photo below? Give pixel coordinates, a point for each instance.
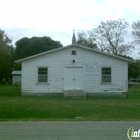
(58, 18)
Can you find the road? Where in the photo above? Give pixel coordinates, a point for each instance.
(66, 130)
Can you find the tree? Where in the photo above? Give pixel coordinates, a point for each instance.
(134, 69)
(6, 56)
(109, 36)
(30, 46)
(85, 41)
(136, 31)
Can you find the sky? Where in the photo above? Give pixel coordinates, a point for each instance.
(58, 18)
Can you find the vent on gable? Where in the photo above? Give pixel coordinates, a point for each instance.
(73, 52)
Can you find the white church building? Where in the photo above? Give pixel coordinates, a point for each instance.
(74, 70)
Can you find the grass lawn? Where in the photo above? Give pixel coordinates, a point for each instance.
(15, 107)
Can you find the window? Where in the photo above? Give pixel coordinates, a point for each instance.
(43, 75)
(73, 52)
(106, 75)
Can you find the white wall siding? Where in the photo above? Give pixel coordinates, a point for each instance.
(16, 79)
(56, 63)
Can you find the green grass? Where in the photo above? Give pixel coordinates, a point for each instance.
(15, 107)
(9, 91)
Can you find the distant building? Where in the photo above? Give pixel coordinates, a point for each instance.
(16, 77)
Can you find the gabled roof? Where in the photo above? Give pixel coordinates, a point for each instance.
(75, 45)
(16, 72)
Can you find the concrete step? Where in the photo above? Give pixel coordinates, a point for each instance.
(74, 94)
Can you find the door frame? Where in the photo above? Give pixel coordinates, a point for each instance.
(69, 66)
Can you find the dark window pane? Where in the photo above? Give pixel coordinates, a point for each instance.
(106, 70)
(42, 74)
(42, 79)
(73, 52)
(42, 71)
(106, 75)
(106, 78)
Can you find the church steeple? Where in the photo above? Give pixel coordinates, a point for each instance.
(73, 38)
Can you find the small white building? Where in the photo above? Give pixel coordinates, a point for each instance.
(74, 70)
(16, 76)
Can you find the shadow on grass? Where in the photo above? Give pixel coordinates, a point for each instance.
(9, 90)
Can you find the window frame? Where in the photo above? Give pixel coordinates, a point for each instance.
(73, 52)
(45, 75)
(106, 75)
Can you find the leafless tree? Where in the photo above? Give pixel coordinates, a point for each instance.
(136, 31)
(84, 40)
(109, 36)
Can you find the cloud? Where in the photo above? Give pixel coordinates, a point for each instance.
(57, 19)
(16, 34)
